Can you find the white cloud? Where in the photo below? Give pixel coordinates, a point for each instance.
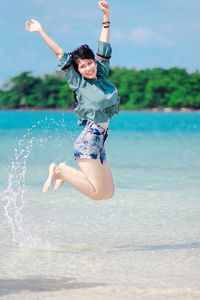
(194, 25)
(118, 35)
(62, 30)
(67, 9)
(146, 36)
(82, 15)
(142, 36)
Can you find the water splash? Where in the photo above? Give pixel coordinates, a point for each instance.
(14, 195)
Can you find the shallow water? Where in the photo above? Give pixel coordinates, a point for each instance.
(143, 244)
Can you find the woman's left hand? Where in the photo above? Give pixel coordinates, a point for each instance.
(104, 6)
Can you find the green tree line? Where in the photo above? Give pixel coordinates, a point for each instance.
(138, 89)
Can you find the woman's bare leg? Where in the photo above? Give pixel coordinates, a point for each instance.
(99, 175)
(51, 178)
(94, 179)
(74, 171)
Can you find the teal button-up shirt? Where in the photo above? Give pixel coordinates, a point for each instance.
(98, 99)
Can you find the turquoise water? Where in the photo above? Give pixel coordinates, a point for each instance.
(143, 244)
(149, 149)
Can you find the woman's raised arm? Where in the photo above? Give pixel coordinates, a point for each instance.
(105, 30)
(34, 26)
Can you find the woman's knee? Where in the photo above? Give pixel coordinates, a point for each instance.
(110, 194)
(60, 168)
(103, 196)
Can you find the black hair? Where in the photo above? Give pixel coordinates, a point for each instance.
(83, 52)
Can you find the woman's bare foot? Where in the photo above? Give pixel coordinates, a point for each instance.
(51, 178)
(58, 184)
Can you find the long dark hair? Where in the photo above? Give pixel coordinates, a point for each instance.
(82, 52)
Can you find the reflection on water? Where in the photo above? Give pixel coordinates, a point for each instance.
(42, 284)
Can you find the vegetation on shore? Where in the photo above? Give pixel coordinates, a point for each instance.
(138, 89)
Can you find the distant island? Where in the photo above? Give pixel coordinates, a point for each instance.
(155, 89)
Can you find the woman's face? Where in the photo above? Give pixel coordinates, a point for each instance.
(87, 68)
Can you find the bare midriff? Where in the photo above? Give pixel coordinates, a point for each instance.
(104, 125)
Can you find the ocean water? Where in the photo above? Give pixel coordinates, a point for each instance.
(142, 244)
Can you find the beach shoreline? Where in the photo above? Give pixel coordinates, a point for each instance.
(68, 109)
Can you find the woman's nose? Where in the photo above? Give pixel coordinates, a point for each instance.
(88, 68)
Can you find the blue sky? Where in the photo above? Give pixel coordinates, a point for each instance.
(144, 33)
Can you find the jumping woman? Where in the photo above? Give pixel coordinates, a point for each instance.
(97, 101)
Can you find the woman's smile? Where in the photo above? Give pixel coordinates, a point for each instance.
(87, 68)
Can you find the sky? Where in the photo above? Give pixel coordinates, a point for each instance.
(144, 33)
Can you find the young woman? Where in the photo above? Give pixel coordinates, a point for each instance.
(97, 101)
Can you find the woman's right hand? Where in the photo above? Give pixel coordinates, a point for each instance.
(33, 25)
(104, 6)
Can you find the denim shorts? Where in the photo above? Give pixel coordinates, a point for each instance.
(90, 143)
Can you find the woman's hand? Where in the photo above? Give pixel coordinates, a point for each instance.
(33, 25)
(105, 30)
(104, 6)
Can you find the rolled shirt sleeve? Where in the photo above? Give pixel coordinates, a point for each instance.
(103, 56)
(73, 78)
(104, 50)
(65, 62)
